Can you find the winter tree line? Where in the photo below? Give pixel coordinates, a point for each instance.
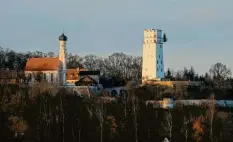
(42, 113)
(119, 66)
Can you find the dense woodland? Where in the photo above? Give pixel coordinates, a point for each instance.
(45, 113)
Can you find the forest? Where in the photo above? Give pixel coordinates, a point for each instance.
(45, 113)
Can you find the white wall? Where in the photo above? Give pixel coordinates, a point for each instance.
(63, 61)
(47, 73)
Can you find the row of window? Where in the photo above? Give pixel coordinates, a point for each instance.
(158, 69)
(153, 41)
(152, 56)
(41, 76)
(158, 62)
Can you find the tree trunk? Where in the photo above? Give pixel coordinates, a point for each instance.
(63, 119)
(134, 102)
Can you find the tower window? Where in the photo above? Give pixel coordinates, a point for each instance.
(157, 69)
(157, 62)
(161, 62)
(159, 56)
(161, 70)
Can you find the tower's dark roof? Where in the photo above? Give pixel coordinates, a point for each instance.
(63, 37)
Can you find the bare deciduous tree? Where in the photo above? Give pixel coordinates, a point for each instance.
(135, 108)
(168, 124)
(219, 73)
(186, 121)
(99, 111)
(210, 114)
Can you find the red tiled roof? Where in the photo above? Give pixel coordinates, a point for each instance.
(42, 64)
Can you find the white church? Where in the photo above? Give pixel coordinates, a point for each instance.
(52, 69)
(152, 58)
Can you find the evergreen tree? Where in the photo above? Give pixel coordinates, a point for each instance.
(164, 38)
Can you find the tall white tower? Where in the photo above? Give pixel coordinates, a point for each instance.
(62, 59)
(152, 58)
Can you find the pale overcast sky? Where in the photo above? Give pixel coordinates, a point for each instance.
(199, 31)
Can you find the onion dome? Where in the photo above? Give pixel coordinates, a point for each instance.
(63, 37)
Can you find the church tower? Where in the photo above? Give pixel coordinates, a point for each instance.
(152, 58)
(62, 59)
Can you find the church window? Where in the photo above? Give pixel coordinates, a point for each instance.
(44, 76)
(157, 69)
(52, 78)
(161, 69)
(157, 62)
(161, 62)
(159, 56)
(29, 77)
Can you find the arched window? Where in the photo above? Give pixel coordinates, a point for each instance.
(44, 76)
(52, 77)
(29, 77)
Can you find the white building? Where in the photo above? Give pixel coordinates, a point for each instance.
(53, 70)
(152, 59)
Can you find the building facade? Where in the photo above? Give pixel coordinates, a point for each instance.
(53, 70)
(152, 59)
(8, 76)
(72, 75)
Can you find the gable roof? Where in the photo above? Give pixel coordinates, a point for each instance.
(42, 64)
(87, 79)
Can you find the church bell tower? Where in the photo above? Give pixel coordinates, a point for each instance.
(62, 59)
